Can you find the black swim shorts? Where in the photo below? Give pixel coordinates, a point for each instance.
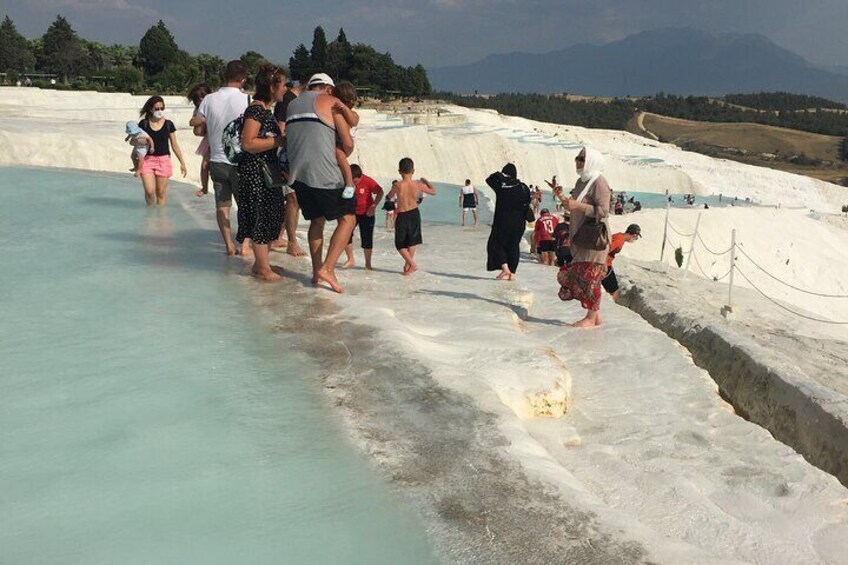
(610, 282)
(548, 246)
(323, 202)
(408, 229)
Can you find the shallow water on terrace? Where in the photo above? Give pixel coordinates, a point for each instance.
(147, 414)
(656, 200)
(444, 208)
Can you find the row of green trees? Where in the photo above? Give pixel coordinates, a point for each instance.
(158, 64)
(781, 101)
(615, 113)
(155, 64)
(819, 120)
(359, 63)
(557, 109)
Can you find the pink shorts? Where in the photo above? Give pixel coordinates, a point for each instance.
(159, 165)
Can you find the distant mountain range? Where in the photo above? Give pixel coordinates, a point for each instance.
(671, 60)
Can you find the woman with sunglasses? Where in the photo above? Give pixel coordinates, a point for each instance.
(155, 169)
(581, 279)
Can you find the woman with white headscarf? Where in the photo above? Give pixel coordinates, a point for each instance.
(589, 206)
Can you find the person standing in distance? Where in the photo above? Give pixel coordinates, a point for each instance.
(313, 125)
(217, 110)
(468, 201)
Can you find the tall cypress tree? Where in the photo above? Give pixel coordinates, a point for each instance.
(15, 53)
(62, 49)
(340, 57)
(300, 64)
(157, 49)
(318, 54)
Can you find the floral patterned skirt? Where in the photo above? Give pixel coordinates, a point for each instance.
(582, 281)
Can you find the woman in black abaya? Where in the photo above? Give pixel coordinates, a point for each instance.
(512, 197)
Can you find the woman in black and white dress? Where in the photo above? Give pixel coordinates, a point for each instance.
(260, 211)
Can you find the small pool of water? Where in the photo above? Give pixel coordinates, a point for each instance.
(654, 200)
(444, 208)
(147, 414)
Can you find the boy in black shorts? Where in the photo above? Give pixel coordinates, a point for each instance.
(408, 220)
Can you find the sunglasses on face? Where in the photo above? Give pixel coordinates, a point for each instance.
(158, 108)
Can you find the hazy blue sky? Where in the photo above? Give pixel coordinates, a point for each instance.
(438, 32)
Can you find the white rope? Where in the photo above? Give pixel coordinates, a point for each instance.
(823, 295)
(703, 272)
(678, 232)
(729, 249)
(776, 303)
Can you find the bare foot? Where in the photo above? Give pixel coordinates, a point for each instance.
(349, 263)
(278, 244)
(584, 323)
(510, 277)
(267, 276)
(368, 267)
(329, 278)
(201, 193)
(503, 275)
(295, 250)
(409, 268)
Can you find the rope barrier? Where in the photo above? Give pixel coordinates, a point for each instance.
(700, 268)
(729, 249)
(678, 232)
(725, 275)
(675, 247)
(823, 295)
(703, 272)
(776, 303)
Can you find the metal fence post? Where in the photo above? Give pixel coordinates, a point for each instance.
(665, 230)
(692, 247)
(728, 308)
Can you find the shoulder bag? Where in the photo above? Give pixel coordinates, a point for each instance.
(592, 233)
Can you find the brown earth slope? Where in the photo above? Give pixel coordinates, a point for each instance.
(756, 144)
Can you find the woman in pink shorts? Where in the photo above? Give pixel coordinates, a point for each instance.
(155, 168)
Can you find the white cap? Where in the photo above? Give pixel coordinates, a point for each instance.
(320, 78)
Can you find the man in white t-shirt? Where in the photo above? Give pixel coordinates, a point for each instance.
(219, 109)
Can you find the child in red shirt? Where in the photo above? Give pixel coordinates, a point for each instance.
(544, 236)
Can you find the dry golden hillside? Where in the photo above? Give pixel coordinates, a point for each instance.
(755, 144)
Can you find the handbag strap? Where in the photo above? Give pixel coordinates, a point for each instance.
(586, 188)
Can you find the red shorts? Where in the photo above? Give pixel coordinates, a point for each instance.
(159, 165)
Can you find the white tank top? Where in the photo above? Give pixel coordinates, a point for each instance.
(468, 189)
